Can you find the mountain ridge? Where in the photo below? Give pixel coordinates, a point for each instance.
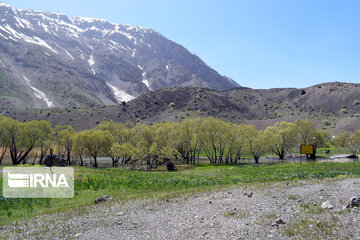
(86, 62)
(334, 106)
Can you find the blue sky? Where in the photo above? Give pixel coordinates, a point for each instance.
(258, 43)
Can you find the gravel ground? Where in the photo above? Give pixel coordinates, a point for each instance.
(223, 214)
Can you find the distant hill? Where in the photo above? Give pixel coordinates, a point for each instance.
(334, 106)
(48, 60)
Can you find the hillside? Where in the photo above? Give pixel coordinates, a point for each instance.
(334, 106)
(49, 60)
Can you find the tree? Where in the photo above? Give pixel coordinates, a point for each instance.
(187, 140)
(3, 145)
(260, 142)
(353, 143)
(96, 142)
(21, 138)
(237, 138)
(64, 138)
(341, 140)
(285, 138)
(127, 152)
(308, 134)
(213, 138)
(306, 130)
(79, 146)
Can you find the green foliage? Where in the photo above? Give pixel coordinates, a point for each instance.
(285, 135)
(96, 142)
(21, 138)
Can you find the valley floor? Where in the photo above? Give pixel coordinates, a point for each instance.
(226, 213)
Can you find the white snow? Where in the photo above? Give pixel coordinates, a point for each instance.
(140, 67)
(91, 63)
(167, 67)
(34, 40)
(145, 81)
(133, 53)
(47, 54)
(45, 28)
(39, 94)
(5, 5)
(120, 95)
(93, 28)
(3, 36)
(18, 20)
(87, 19)
(71, 56)
(40, 42)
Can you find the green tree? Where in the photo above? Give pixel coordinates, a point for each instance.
(187, 140)
(306, 129)
(127, 152)
(213, 138)
(21, 138)
(237, 137)
(285, 138)
(79, 146)
(341, 140)
(64, 138)
(3, 145)
(259, 143)
(353, 143)
(96, 142)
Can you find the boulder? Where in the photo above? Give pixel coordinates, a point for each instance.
(102, 199)
(353, 202)
(327, 205)
(54, 161)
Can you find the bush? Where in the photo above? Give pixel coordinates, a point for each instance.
(171, 166)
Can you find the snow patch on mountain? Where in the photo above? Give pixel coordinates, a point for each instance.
(145, 81)
(34, 40)
(133, 53)
(39, 94)
(92, 63)
(71, 56)
(120, 95)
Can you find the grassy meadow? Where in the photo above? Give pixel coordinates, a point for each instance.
(123, 184)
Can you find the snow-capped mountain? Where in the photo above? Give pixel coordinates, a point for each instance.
(49, 60)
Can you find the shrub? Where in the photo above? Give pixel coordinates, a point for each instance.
(171, 166)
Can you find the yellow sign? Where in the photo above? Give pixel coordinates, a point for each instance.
(307, 149)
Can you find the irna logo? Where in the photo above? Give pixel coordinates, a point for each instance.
(35, 182)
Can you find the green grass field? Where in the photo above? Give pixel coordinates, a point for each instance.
(123, 184)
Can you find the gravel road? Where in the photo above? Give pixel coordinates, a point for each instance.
(283, 210)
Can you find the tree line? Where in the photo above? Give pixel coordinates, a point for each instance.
(220, 141)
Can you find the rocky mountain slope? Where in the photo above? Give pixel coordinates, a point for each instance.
(334, 106)
(49, 60)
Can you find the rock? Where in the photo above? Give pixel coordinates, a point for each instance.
(353, 202)
(102, 199)
(248, 194)
(121, 214)
(280, 221)
(327, 205)
(78, 235)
